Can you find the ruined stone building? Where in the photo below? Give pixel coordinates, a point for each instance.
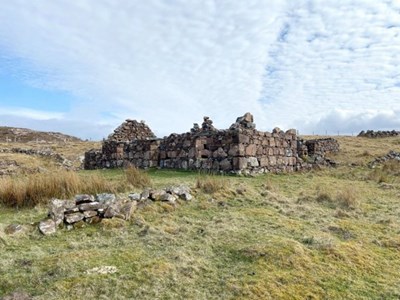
(239, 149)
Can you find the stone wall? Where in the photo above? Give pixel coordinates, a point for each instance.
(322, 146)
(239, 149)
(378, 134)
(131, 130)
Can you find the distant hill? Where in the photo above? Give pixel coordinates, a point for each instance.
(24, 135)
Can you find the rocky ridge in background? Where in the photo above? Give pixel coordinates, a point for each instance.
(24, 135)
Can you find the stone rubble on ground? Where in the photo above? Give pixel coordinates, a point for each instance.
(391, 155)
(92, 209)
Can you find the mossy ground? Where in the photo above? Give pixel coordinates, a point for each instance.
(287, 236)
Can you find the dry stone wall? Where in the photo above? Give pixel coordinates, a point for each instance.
(239, 149)
(378, 134)
(322, 146)
(90, 209)
(131, 130)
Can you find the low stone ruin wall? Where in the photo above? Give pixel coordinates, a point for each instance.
(230, 150)
(378, 134)
(322, 146)
(239, 149)
(89, 209)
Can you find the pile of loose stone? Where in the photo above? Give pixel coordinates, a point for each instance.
(379, 133)
(392, 155)
(246, 121)
(92, 209)
(131, 130)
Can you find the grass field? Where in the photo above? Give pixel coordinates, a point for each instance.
(324, 234)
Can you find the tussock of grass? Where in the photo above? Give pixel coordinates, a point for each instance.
(137, 178)
(37, 189)
(212, 184)
(345, 198)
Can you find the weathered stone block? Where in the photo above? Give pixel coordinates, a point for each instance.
(74, 217)
(252, 161)
(251, 150)
(264, 162)
(84, 198)
(90, 206)
(239, 163)
(47, 227)
(225, 165)
(90, 213)
(241, 139)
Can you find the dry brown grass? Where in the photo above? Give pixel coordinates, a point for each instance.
(211, 184)
(137, 178)
(36, 189)
(348, 198)
(345, 198)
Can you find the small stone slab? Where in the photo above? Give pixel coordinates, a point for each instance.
(186, 196)
(90, 206)
(13, 229)
(73, 218)
(105, 198)
(168, 197)
(114, 210)
(72, 210)
(57, 209)
(84, 198)
(134, 196)
(90, 213)
(145, 194)
(157, 194)
(47, 227)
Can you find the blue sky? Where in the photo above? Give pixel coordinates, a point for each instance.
(82, 67)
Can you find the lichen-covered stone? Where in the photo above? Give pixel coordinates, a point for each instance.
(47, 227)
(58, 208)
(105, 198)
(90, 206)
(74, 217)
(79, 199)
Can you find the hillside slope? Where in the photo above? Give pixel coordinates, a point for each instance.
(24, 135)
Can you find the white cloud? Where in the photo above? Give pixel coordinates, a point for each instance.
(350, 122)
(33, 114)
(170, 62)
